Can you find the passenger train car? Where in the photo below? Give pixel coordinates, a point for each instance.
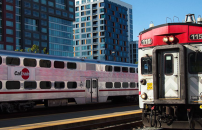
(27, 79)
(170, 75)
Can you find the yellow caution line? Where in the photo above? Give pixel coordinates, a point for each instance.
(69, 121)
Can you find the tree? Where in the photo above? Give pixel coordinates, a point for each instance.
(33, 49)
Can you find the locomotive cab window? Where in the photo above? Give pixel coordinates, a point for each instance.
(168, 64)
(12, 61)
(0, 85)
(29, 62)
(45, 63)
(146, 65)
(195, 63)
(71, 65)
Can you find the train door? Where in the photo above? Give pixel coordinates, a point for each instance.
(91, 90)
(168, 72)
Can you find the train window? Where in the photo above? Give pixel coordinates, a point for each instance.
(87, 83)
(136, 70)
(72, 85)
(125, 84)
(117, 69)
(12, 85)
(125, 69)
(30, 62)
(71, 65)
(195, 64)
(108, 68)
(146, 65)
(30, 84)
(59, 64)
(109, 85)
(137, 85)
(59, 85)
(0, 60)
(0, 85)
(12, 61)
(117, 85)
(132, 85)
(45, 63)
(169, 64)
(132, 70)
(45, 85)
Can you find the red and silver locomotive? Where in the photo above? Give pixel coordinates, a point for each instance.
(27, 79)
(170, 75)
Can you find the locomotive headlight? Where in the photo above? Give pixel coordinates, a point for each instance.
(144, 96)
(165, 39)
(171, 38)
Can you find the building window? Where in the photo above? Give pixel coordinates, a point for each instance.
(36, 14)
(9, 1)
(44, 30)
(44, 16)
(8, 7)
(44, 23)
(77, 8)
(9, 31)
(58, 12)
(71, 9)
(27, 34)
(9, 39)
(36, 1)
(9, 47)
(35, 6)
(44, 37)
(36, 43)
(43, 8)
(9, 15)
(28, 42)
(87, 6)
(36, 36)
(27, 12)
(50, 3)
(64, 14)
(43, 2)
(51, 10)
(77, 3)
(44, 44)
(82, 7)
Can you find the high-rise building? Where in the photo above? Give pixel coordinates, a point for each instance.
(102, 30)
(133, 52)
(46, 23)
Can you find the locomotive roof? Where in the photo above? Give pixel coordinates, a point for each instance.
(167, 24)
(60, 58)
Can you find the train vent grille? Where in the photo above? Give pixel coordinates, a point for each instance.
(90, 67)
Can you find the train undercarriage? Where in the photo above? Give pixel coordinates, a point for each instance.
(172, 116)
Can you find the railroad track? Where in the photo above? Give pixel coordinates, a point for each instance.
(41, 110)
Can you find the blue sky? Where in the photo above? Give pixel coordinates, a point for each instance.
(145, 11)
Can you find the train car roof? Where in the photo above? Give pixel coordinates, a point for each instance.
(60, 58)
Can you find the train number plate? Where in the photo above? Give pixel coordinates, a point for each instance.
(149, 86)
(200, 106)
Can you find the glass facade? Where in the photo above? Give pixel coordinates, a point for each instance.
(46, 23)
(103, 26)
(60, 37)
(133, 52)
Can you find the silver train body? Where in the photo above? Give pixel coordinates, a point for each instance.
(63, 80)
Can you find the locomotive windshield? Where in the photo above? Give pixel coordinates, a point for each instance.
(146, 65)
(195, 62)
